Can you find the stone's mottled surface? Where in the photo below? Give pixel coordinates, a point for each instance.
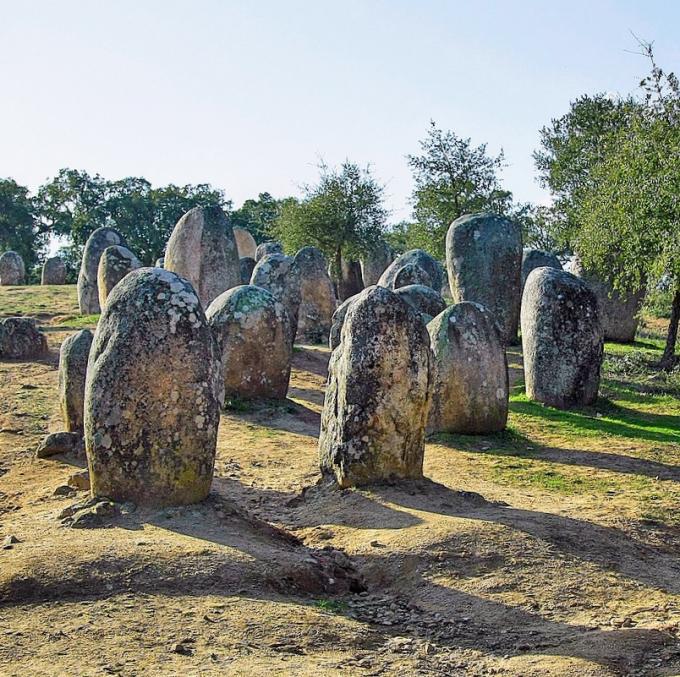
(338, 320)
(59, 443)
(378, 394)
(350, 281)
(245, 243)
(12, 269)
(246, 265)
(374, 264)
(562, 339)
(160, 263)
(470, 371)
(253, 335)
(415, 257)
(484, 261)
(269, 247)
(53, 271)
(114, 264)
(88, 292)
(424, 299)
(153, 393)
(276, 274)
(21, 339)
(619, 313)
(73, 357)
(317, 297)
(411, 274)
(202, 249)
(537, 258)
(446, 287)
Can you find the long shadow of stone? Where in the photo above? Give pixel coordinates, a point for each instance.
(311, 360)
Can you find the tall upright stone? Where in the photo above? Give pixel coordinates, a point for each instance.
(537, 258)
(338, 320)
(153, 393)
(378, 394)
(245, 242)
(114, 264)
(394, 277)
(374, 264)
(349, 282)
(470, 371)
(268, 247)
(73, 357)
(484, 260)
(88, 291)
(317, 297)
(562, 339)
(202, 249)
(276, 274)
(253, 335)
(53, 271)
(12, 269)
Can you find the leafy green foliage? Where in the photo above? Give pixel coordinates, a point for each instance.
(19, 230)
(259, 216)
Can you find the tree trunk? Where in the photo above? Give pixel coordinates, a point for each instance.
(669, 359)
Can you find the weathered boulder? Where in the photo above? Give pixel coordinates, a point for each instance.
(424, 299)
(12, 269)
(374, 264)
(619, 312)
(53, 271)
(269, 247)
(160, 263)
(276, 274)
(88, 293)
(349, 281)
(378, 394)
(393, 278)
(153, 393)
(73, 357)
(59, 443)
(537, 258)
(246, 266)
(470, 371)
(21, 339)
(245, 243)
(317, 297)
(484, 260)
(202, 249)
(338, 320)
(114, 264)
(253, 335)
(562, 339)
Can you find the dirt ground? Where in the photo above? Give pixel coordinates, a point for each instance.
(528, 553)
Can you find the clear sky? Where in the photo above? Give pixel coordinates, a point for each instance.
(249, 95)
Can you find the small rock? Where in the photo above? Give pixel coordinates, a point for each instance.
(58, 443)
(377, 544)
(64, 490)
(9, 541)
(80, 481)
(182, 649)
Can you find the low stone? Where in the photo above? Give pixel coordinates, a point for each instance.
(59, 443)
(21, 339)
(64, 490)
(80, 480)
(73, 357)
(246, 266)
(114, 264)
(12, 269)
(53, 271)
(423, 298)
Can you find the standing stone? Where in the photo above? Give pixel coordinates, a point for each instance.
(484, 260)
(160, 263)
(424, 299)
(53, 271)
(114, 264)
(470, 371)
(202, 249)
(245, 243)
(253, 335)
(21, 339)
(349, 281)
(338, 320)
(247, 265)
(276, 274)
(377, 400)
(12, 269)
(73, 356)
(536, 258)
(317, 298)
(392, 278)
(153, 393)
(562, 339)
(374, 264)
(446, 287)
(269, 247)
(619, 313)
(88, 292)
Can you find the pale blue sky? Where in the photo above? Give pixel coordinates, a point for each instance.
(248, 95)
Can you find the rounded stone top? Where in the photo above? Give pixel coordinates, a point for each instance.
(418, 258)
(243, 300)
(309, 258)
(269, 247)
(560, 285)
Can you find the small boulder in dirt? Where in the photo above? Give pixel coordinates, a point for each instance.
(59, 443)
(21, 339)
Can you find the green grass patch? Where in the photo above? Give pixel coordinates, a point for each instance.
(79, 321)
(333, 606)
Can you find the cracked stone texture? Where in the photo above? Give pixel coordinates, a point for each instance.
(88, 292)
(73, 357)
(393, 278)
(12, 269)
(484, 261)
(317, 296)
(21, 339)
(245, 243)
(202, 250)
(253, 336)
(470, 371)
(153, 393)
(53, 271)
(562, 339)
(378, 393)
(114, 264)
